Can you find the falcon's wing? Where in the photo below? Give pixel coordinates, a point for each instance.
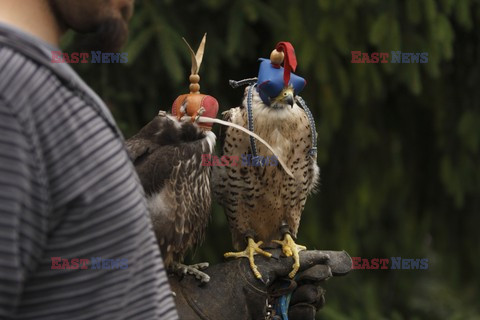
(167, 156)
(226, 116)
(180, 203)
(161, 145)
(143, 142)
(220, 174)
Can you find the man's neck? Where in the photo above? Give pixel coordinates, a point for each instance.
(32, 16)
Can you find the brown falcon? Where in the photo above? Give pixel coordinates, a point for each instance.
(262, 203)
(167, 155)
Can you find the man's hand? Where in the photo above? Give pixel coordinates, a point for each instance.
(234, 293)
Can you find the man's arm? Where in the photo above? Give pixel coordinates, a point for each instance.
(19, 216)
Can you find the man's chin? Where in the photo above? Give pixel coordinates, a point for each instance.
(109, 36)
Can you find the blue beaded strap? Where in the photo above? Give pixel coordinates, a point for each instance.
(252, 84)
(302, 103)
(253, 145)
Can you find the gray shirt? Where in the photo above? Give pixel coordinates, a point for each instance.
(69, 192)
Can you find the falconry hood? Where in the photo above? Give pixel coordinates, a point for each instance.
(273, 78)
(195, 104)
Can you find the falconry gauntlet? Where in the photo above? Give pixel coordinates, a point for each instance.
(234, 293)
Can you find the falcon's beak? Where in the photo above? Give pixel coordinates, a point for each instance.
(289, 100)
(286, 97)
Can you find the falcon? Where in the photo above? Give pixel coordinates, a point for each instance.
(167, 155)
(263, 204)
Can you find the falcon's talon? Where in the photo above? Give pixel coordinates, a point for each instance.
(198, 114)
(252, 249)
(200, 266)
(193, 270)
(290, 248)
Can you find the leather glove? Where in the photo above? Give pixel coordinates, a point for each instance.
(234, 293)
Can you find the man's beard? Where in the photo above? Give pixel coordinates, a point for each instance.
(109, 36)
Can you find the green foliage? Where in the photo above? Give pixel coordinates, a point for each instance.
(399, 144)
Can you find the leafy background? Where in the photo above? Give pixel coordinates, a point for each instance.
(399, 144)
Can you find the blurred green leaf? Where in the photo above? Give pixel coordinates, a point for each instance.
(380, 29)
(138, 44)
(413, 10)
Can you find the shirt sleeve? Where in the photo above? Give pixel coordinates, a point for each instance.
(18, 220)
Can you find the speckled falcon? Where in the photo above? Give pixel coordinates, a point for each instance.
(262, 203)
(167, 155)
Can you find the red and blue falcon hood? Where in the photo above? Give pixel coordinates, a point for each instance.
(273, 78)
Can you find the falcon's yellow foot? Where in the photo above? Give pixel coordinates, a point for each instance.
(290, 248)
(252, 249)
